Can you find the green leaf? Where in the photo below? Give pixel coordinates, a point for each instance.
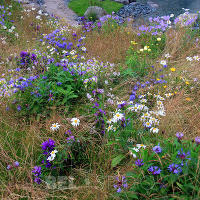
(117, 160)
(131, 195)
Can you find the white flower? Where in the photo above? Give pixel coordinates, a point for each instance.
(142, 118)
(147, 124)
(38, 17)
(163, 62)
(55, 127)
(118, 116)
(110, 127)
(40, 12)
(141, 96)
(72, 52)
(159, 103)
(83, 48)
(168, 22)
(143, 100)
(167, 55)
(136, 149)
(133, 108)
(75, 121)
(161, 113)
(154, 130)
(168, 95)
(196, 58)
(109, 121)
(52, 156)
(172, 15)
(146, 115)
(140, 146)
(134, 155)
(189, 58)
(89, 96)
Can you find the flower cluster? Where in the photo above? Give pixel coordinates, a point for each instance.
(158, 25)
(15, 164)
(6, 24)
(121, 182)
(37, 172)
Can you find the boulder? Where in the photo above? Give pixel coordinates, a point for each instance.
(100, 12)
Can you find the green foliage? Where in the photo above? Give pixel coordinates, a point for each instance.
(140, 58)
(167, 183)
(80, 6)
(55, 87)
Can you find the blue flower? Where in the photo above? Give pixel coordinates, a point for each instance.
(155, 170)
(121, 182)
(183, 156)
(48, 146)
(139, 162)
(174, 168)
(157, 149)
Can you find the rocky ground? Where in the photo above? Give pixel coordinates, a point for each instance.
(55, 7)
(140, 12)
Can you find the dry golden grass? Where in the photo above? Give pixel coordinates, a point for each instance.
(109, 47)
(182, 111)
(181, 115)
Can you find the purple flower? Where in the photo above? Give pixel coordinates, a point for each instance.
(155, 170)
(19, 107)
(9, 167)
(120, 106)
(23, 54)
(139, 162)
(59, 83)
(48, 146)
(37, 180)
(183, 156)
(132, 97)
(174, 168)
(157, 149)
(197, 140)
(16, 164)
(33, 57)
(36, 171)
(179, 135)
(121, 182)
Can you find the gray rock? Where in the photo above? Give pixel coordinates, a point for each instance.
(135, 10)
(95, 9)
(152, 4)
(125, 2)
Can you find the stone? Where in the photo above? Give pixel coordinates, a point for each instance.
(100, 12)
(125, 2)
(135, 9)
(131, 1)
(152, 4)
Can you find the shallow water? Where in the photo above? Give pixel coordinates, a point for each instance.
(175, 6)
